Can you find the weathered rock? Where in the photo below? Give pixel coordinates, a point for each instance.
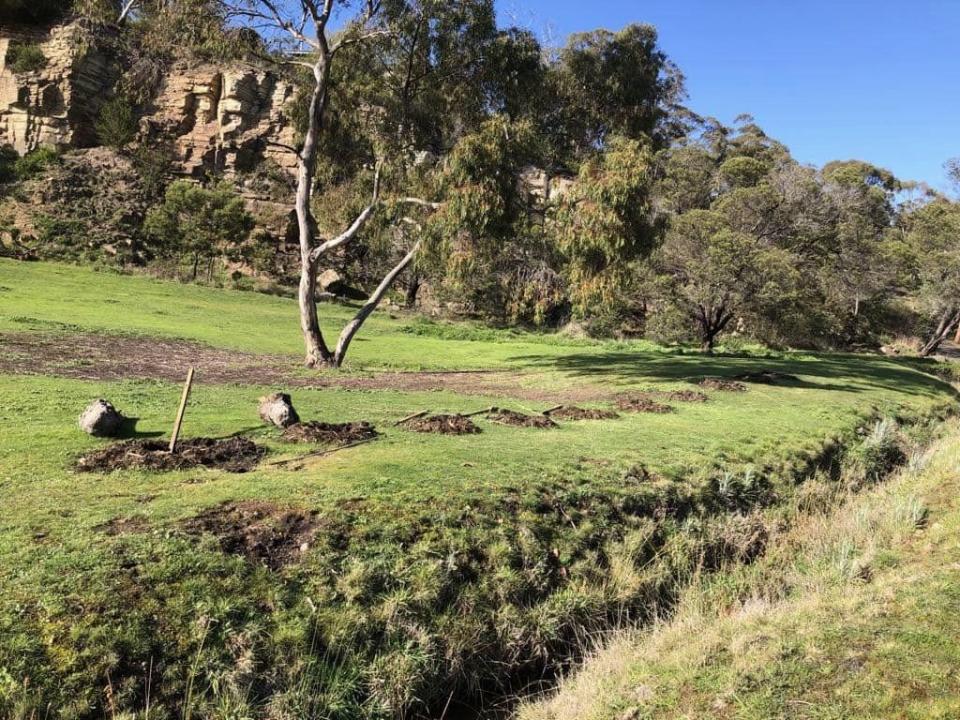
(59, 103)
(101, 419)
(328, 279)
(277, 409)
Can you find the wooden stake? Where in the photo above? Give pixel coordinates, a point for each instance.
(408, 418)
(319, 453)
(479, 412)
(553, 409)
(181, 411)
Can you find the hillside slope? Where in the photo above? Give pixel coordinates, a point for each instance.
(854, 616)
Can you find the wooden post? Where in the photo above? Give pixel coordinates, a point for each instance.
(181, 411)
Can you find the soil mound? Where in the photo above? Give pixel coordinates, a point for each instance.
(642, 403)
(722, 385)
(330, 433)
(578, 413)
(235, 455)
(515, 419)
(444, 425)
(259, 531)
(687, 396)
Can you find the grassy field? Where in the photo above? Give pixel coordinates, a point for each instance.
(853, 617)
(437, 570)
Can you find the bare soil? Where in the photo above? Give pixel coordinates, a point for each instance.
(572, 412)
(330, 433)
(722, 385)
(687, 396)
(444, 425)
(236, 455)
(123, 357)
(642, 403)
(124, 526)
(259, 531)
(515, 419)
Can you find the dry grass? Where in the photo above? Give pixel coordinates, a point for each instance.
(830, 574)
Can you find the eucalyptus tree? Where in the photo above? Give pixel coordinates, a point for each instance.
(301, 35)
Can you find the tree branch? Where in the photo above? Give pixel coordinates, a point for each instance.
(354, 325)
(355, 227)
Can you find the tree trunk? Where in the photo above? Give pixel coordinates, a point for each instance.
(949, 320)
(354, 325)
(413, 287)
(317, 353)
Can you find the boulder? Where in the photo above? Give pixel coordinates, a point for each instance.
(329, 278)
(277, 409)
(101, 419)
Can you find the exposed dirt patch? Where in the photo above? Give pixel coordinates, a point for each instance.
(124, 526)
(571, 412)
(686, 396)
(330, 433)
(259, 531)
(122, 357)
(235, 455)
(642, 403)
(515, 419)
(722, 385)
(444, 425)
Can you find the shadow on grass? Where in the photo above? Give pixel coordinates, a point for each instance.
(837, 372)
(128, 431)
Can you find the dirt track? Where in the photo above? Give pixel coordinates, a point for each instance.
(123, 357)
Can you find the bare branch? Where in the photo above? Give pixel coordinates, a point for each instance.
(351, 232)
(368, 307)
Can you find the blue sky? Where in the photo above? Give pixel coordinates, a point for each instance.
(875, 80)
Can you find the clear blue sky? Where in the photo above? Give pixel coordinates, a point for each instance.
(877, 80)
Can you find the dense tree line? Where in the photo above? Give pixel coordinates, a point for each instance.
(539, 186)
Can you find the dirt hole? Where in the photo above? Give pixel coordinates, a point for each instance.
(515, 419)
(330, 433)
(444, 425)
(578, 413)
(642, 403)
(722, 385)
(124, 526)
(259, 531)
(235, 455)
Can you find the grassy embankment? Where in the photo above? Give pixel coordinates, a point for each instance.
(441, 567)
(851, 614)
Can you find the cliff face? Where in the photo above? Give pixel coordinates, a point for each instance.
(223, 119)
(58, 104)
(220, 118)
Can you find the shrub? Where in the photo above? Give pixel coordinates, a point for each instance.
(35, 162)
(117, 124)
(25, 58)
(8, 162)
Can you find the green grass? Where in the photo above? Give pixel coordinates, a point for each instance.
(443, 565)
(852, 616)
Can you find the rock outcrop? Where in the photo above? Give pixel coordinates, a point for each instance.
(223, 119)
(57, 104)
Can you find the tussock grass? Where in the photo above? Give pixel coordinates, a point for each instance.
(850, 613)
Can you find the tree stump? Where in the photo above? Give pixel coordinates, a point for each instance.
(101, 419)
(277, 409)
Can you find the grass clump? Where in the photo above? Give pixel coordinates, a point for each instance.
(25, 58)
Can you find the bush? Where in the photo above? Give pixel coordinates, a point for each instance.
(25, 58)
(8, 162)
(35, 162)
(117, 124)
